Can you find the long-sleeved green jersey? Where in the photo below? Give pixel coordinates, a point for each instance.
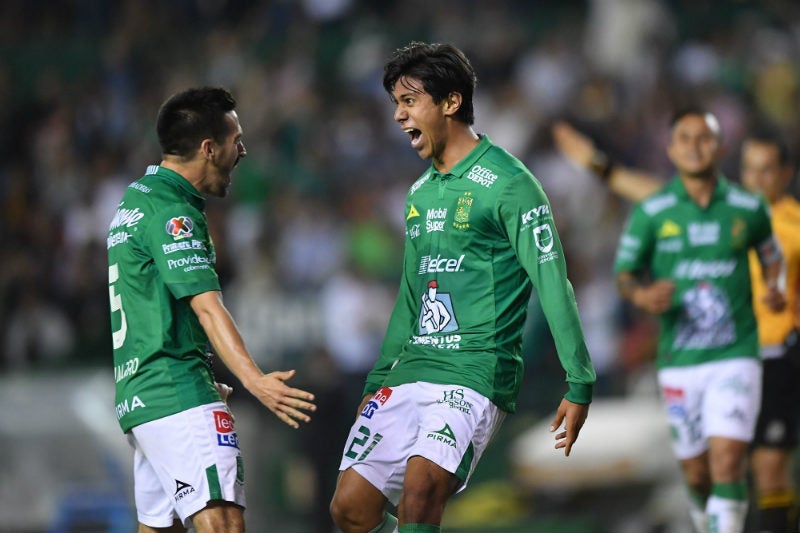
(159, 253)
(477, 240)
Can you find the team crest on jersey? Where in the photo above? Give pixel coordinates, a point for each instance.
(180, 227)
(463, 207)
(436, 314)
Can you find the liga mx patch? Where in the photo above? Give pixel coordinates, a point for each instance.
(226, 436)
(180, 227)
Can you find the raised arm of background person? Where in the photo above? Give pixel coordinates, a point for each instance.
(286, 402)
(525, 214)
(632, 184)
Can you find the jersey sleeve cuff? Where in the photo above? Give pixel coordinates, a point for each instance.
(579, 393)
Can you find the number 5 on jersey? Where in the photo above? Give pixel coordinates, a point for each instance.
(118, 336)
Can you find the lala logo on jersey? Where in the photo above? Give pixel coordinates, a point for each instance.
(226, 436)
(378, 399)
(180, 227)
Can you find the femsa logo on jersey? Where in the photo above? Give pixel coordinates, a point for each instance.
(375, 403)
(226, 436)
(180, 227)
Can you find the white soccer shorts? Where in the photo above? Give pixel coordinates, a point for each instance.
(449, 425)
(715, 399)
(183, 461)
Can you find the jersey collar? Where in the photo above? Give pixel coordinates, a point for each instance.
(468, 161)
(720, 189)
(194, 197)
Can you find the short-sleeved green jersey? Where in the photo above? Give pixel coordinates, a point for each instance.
(704, 252)
(477, 239)
(159, 252)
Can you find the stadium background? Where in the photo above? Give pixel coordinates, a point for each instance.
(310, 241)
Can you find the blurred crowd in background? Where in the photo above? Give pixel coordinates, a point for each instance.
(309, 244)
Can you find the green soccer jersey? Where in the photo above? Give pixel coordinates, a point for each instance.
(704, 252)
(477, 239)
(159, 252)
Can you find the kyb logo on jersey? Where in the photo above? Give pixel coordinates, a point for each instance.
(182, 489)
(226, 436)
(535, 213)
(375, 403)
(436, 315)
(435, 219)
(429, 265)
(444, 435)
(180, 227)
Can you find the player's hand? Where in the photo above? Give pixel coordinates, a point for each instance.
(363, 404)
(656, 297)
(774, 299)
(223, 390)
(575, 146)
(573, 415)
(286, 402)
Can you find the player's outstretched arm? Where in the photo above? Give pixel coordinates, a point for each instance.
(632, 184)
(573, 415)
(286, 402)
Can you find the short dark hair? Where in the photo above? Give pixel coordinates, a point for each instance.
(442, 69)
(678, 115)
(190, 116)
(768, 135)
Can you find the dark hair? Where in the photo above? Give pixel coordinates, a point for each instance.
(442, 69)
(190, 116)
(768, 135)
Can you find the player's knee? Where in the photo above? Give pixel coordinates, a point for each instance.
(348, 515)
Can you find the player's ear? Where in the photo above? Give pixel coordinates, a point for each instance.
(207, 148)
(452, 103)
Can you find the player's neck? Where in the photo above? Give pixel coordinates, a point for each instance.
(190, 169)
(700, 188)
(460, 142)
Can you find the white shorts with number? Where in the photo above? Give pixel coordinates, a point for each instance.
(183, 461)
(447, 424)
(716, 399)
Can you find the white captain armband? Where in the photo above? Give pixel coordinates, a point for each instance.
(769, 251)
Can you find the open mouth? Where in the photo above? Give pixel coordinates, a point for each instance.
(415, 135)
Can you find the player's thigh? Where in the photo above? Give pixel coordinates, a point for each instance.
(777, 425)
(219, 517)
(455, 427)
(356, 500)
(195, 457)
(732, 400)
(379, 443)
(682, 390)
(176, 527)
